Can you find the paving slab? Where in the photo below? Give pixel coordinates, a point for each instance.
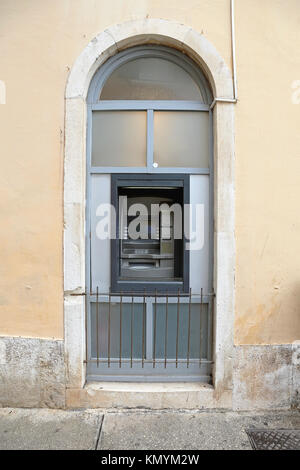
(132, 429)
(186, 430)
(44, 429)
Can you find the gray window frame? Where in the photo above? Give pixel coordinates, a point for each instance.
(117, 285)
(94, 104)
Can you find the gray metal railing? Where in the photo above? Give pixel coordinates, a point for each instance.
(150, 329)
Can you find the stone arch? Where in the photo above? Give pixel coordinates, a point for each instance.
(103, 46)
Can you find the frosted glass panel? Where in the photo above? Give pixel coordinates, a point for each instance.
(200, 260)
(100, 249)
(127, 313)
(197, 349)
(181, 139)
(150, 79)
(119, 138)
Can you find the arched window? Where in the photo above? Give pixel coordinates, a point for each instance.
(149, 145)
(151, 78)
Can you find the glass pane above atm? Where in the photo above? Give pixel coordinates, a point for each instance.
(119, 138)
(181, 139)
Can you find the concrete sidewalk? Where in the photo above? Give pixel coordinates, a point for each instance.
(142, 429)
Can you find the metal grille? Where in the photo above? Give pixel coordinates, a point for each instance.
(274, 439)
(149, 333)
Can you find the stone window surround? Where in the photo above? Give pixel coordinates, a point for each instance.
(99, 49)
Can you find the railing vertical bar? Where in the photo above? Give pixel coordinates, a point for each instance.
(143, 331)
(210, 313)
(189, 330)
(177, 330)
(166, 329)
(97, 324)
(154, 328)
(131, 332)
(201, 310)
(87, 305)
(108, 330)
(120, 359)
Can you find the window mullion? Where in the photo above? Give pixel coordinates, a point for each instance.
(150, 139)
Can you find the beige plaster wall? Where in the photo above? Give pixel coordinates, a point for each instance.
(39, 43)
(267, 172)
